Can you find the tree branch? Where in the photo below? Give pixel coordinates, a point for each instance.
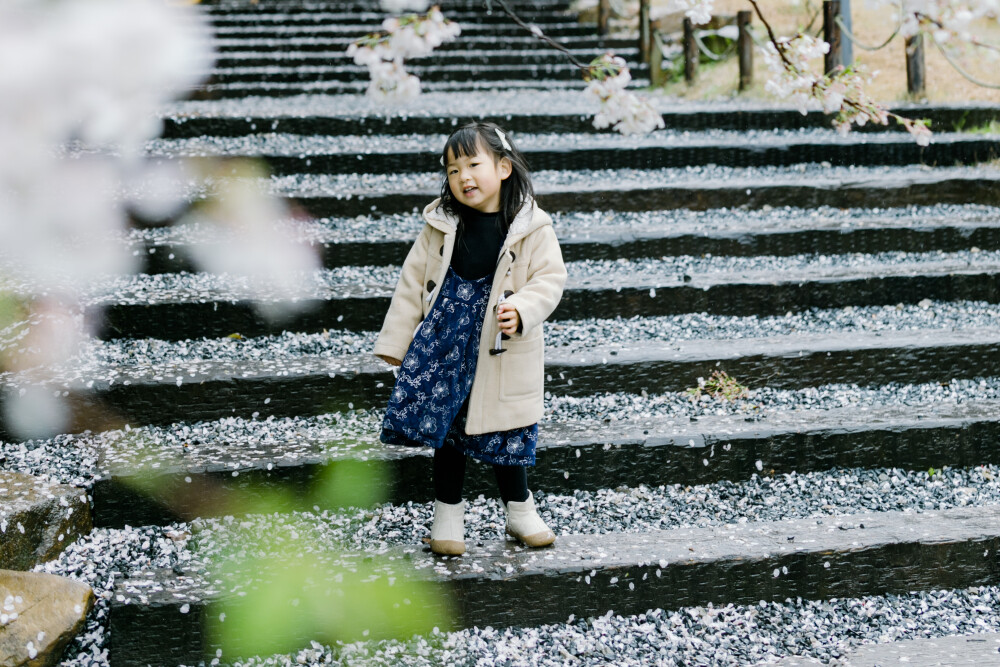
(537, 32)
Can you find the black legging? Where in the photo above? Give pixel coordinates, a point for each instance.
(449, 477)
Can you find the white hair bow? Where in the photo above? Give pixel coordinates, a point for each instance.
(503, 139)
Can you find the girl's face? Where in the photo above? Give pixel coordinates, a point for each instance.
(475, 180)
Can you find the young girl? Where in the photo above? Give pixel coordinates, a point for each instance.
(465, 325)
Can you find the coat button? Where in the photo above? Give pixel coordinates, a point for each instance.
(430, 285)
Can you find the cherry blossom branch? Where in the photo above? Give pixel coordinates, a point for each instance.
(537, 32)
(840, 91)
(770, 34)
(923, 18)
(404, 37)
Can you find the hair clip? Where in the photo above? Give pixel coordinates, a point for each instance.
(503, 139)
(442, 160)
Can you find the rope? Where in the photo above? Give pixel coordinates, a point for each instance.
(961, 70)
(854, 39)
(711, 55)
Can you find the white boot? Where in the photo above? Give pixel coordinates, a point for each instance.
(448, 529)
(524, 523)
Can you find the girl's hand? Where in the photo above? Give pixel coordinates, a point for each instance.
(509, 319)
(391, 360)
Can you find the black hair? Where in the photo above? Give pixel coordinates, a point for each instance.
(514, 190)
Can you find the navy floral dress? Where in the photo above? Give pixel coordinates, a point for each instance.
(429, 402)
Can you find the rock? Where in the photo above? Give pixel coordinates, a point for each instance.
(39, 615)
(38, 519)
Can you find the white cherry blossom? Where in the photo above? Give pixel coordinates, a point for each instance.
(384, 54)
(620, 108)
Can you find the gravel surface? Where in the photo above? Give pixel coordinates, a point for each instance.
(696, 634)
(374, 281)
(291, 145)
(368, 186)
(729, 635)
(297, 72)
(438, 105)
(468, 41)
(930, 315)
(627, 509)
(579, 226)
(109, 361)
(331, 14)
(697, 176)
(428, 104)
(354, 30)
(98, 560)
(250, 88)
(81, 459)
(472, 53)
(318, 15)
(349, 186)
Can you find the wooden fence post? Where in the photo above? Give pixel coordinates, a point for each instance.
(603, 13)
(745, 48)
(915, 70)
(690, 52)
(645, 32)
(831, 35)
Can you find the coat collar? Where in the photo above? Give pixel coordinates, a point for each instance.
(528, 219)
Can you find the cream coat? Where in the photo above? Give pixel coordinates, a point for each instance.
(508, 388)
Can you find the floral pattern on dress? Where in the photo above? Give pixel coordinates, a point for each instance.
(429, 402)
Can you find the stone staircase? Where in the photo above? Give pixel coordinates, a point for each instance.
(851, 282)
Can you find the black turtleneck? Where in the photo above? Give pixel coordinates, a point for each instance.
(477, 244)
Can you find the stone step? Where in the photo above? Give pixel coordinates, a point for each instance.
(214, 7)
(289, 154)
(498, 585)
(221, 91)
(179, 306)
(693, 188)
(469, 43)
(595, 44)
(233, 458)
(497, 31)
(372, 20)
(531, 70)
(541, 112)
(476, 57)
(613, 234)
(259, 385)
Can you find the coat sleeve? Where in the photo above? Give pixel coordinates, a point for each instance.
(405, 310)
(546, 277)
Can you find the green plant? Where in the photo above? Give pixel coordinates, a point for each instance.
(992, 127)
(718, 385)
